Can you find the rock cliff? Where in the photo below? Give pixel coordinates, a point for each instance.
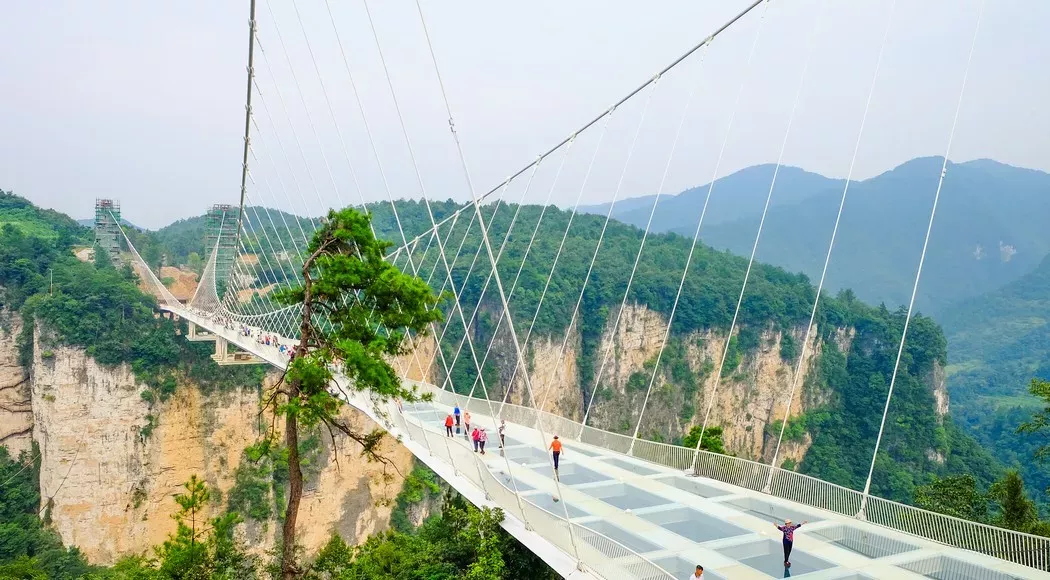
(16, 411)
(748, 399)
(108, 477)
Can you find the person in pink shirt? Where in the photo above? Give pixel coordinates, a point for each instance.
(789, 539)
(482, 438)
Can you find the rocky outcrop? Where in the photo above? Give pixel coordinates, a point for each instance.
(744, 401)
(108, 478)
(16, 411)
(940, 390)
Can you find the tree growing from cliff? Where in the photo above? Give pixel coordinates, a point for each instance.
(712, 439)
(356, 311)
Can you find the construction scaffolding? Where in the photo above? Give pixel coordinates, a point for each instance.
(220, 233)
(107, 228)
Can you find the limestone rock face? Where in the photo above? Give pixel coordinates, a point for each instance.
(16, 411)
(108, 484)
(744, 402)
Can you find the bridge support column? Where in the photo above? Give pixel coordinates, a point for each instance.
(191, 330)
(220, 348)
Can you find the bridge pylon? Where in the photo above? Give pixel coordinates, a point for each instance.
(107, 228)
(224, 357)
(195, 333)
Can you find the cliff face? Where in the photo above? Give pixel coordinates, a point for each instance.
(16, 411)
(108, 486)
(747, 400)
(743, 401)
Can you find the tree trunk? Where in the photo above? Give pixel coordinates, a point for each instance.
(289, 571)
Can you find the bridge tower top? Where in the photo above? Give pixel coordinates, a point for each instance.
(107, 229)
(220, 236)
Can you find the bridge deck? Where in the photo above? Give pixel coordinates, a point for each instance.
(629, 518)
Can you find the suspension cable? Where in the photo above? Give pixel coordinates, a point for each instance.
(834, 232)
(641, 246)
(617, 104)
(493, 262)
(922, 256)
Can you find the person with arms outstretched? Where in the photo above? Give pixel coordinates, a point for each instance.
(789, 538)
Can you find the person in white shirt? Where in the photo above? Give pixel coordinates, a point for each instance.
(698, 574)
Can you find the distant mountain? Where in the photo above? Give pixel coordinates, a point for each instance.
(990, 227)
(734, 197)
(996, 343)
(90, 223)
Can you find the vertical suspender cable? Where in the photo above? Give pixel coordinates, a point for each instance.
(426, 200)
(641, 248)
(922, 258)
(834, 235)
(729, 337)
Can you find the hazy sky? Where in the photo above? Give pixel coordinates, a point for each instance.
(144, 101)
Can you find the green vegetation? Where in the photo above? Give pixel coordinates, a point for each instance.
(344, 258)
(1040, 421)
(998, 342)
(35, 222)
(28, 549)
(461, 542)
(421, 485)
(712, 439)
(100, 309)
(852, 377)
(260, 484)
(1005, 504)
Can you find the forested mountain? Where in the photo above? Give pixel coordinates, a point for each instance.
(850, 379)
(998, 342)
(104, 421)
(734, 197)
(989, 230)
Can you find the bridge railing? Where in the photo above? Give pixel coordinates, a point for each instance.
(599, 553)
(1014, 546)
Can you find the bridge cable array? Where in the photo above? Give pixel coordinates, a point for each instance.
(276, 268)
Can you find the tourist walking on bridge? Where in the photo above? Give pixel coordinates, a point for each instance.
(502, 433)
(448, 426)
(474, 438)
(482, 438)
(555, 448)
(455, 412)
(789, 539)
(466, 422)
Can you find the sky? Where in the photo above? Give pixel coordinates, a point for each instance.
(144, 101)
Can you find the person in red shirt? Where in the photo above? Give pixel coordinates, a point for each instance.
(448, 426)
(555, 448)
(474, 437)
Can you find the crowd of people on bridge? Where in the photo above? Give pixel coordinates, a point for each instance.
(263, 338)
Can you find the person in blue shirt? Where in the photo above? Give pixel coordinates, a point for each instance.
(456, 413)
